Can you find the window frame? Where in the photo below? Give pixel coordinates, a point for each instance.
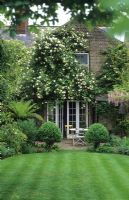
(87, 58)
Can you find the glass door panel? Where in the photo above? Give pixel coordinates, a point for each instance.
(55, 114)
(72, 114)
(77, 116)
(71, 117)
(82, 115)
(51, 112)
(60, 117)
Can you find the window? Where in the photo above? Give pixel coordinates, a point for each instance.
(83, 58)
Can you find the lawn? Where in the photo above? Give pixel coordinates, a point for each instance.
(66, 175)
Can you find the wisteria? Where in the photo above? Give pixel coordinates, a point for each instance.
(118, 96)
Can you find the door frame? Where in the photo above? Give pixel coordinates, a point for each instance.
(77, 116)
(58, 112)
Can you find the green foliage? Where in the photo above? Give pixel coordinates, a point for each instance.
(125, 79)
(109, 113)
(114, 14)
(3, 55)
(116, 145)
(126, 126)
(28, 148)
(72, 38)
(57, 74)
(6, 151)
(96, 134)
(24, 109)
(106, 149)
(106, 109)
(3, 88)
(115, 63)
(49, 133)
(117, 141)
(123, 126)
(120, 92)
(13, 137)
(47, 11)
(5, 115)
(14, 62)
(120, 9)
(13, 52)
(30, 128)
(123, 150)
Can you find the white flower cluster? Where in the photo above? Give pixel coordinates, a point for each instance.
(56, 72)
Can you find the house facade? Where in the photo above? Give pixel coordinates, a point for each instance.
(74, 114)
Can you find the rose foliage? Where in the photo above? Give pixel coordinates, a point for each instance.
(57, 75)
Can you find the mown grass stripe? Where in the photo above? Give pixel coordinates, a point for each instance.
(82, 178)
(97, 190)
(119, 176)
(19, 169)
(65, 189)
(30, 178)
(8, 181)
(114, 177)
(105, 185)
(44, 181)
(74, 175)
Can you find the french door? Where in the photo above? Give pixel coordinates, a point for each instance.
(55, 114)
(77, 116)
(73, 115)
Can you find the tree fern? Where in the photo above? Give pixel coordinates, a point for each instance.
(24, 109)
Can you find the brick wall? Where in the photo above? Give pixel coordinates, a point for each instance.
(99, 41)
(22, 28)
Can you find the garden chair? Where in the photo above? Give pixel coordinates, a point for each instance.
(78, 137)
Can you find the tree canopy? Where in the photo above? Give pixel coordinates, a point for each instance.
(91, 11)
(20, 10)
(120, 22)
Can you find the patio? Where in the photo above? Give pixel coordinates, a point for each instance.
(67, 144)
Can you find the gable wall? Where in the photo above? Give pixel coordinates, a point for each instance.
(98, 43)
(97, 39)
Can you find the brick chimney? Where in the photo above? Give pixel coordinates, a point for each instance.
(22, 28)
